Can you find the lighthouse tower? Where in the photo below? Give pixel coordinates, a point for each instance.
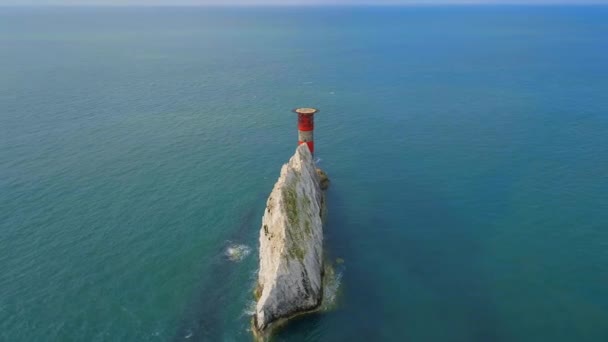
(306, 126)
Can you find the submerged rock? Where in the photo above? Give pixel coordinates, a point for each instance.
(291, 244)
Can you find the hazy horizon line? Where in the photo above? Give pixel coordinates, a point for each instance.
(437, 4)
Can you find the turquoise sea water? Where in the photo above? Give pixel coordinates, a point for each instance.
(467, 148)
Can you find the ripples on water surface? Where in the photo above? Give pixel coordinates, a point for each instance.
(466, 147)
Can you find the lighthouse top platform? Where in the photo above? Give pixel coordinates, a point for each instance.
(306, 111)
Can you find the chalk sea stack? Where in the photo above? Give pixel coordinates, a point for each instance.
(291, 244)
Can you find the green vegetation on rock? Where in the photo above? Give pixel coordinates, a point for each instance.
(291, 201)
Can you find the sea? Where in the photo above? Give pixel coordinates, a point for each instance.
(467, 148)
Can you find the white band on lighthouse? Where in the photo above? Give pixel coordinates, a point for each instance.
(305, 136)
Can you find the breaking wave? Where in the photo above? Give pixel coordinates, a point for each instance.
(236, 252)
(250, 308)
(331, 288)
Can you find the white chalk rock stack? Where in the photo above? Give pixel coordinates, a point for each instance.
(291, 244)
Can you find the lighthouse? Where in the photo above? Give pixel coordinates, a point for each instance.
(306, 126)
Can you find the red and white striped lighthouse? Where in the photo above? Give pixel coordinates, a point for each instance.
(306, 126)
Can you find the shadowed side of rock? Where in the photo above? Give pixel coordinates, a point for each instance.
(291, 243)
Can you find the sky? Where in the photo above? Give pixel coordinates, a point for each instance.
(287, 2)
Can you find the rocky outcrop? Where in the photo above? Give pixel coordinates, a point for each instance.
(291, 244)
(323, 179)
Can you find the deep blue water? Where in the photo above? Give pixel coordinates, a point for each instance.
(467, 148)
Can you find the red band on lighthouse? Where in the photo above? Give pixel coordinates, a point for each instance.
(306, 122)
(311, 145)
(306, 126)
